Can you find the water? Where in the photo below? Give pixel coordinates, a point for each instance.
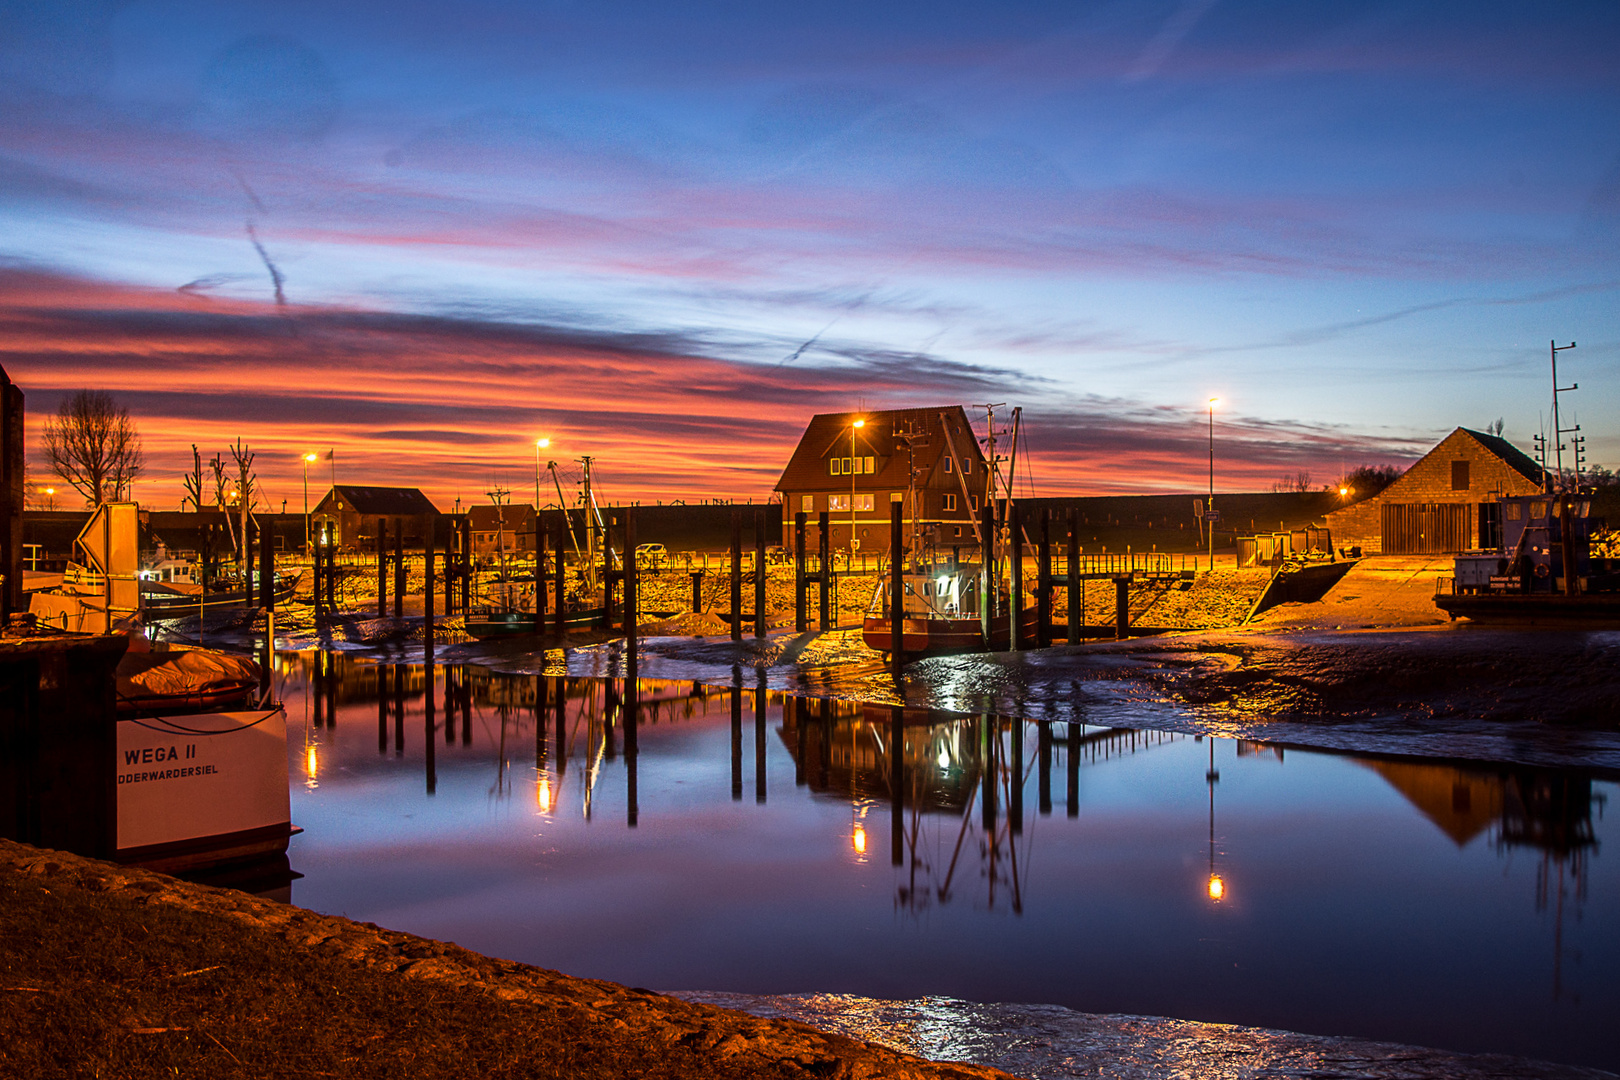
(748, 841)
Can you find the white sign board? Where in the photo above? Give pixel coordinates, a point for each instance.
(188, 777)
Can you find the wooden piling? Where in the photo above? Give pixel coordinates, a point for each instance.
(1043, 758)
(824, 571)
(897, 590)
(427, 602)
(382, 708)
(631, 600)
(382, 567)
(1043, 582)
(399, 571)
(267, 566)
(697, 592)
(989, 759)
(761, 707)
(1071, 762)
(736, 738)
(429, 744)
(801, 615)
(736, 575)
(1015, 585)
(399, 709)
(1077, 596)
(464, 528)
(897, 784)
(759, 574)
(560, 575)
(539, 576)
(1122, 606)
(559, 704)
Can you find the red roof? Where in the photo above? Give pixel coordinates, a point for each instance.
(828, 436)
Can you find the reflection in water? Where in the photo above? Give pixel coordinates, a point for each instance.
(1128, 891)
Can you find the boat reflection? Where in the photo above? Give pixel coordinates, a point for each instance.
(954, 785)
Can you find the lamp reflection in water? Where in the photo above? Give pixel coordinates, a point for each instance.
(311, 764)
(1216, 887)
(858, 839)
(543, 797)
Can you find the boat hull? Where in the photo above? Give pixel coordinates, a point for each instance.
(1535, 609)
(943, 637)
(521, 623)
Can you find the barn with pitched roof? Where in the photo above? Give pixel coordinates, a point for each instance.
(1445, 502)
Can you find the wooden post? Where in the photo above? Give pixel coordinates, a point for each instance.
(762, 700)
(267, 564)
(449, 571)
(736, 575)
(429, 744)
(427, 619)
(989, 579)
(1015, 782)
(1077, 596)
(539, 575)
(1044, 763)
(1071, 764)
(1043, 582)
(759, 573)
(897, 784)
(12, 452)
(897, 590)
(1122, 606)
(399, 571)
(560, 579)
(801, 615)
(382, 567)
(464, 529)
(697, 592)
(824, 572)
(1015, 585)
(382, 708)
(736, 736)
(630, 598)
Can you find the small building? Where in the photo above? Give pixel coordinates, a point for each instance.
(852, 465)
(508, 528)
(1446, 502)
(347, 516)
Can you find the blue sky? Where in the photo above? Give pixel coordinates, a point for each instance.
(1359, 225)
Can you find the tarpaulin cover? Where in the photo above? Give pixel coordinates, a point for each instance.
(178, 673)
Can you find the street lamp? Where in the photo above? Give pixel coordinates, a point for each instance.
(539, 445)
(307, 459)
(853, 543)
(1209, 507)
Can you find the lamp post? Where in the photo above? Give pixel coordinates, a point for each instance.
(1209, 507)
(539, 445)
(853, 543)
(307, 459)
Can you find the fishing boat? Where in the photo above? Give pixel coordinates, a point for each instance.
(163, 601)
(942, 609)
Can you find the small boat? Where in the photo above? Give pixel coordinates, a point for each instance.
(938, 620)
(201, 774)
(500, 624)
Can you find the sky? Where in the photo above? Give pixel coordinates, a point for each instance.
(414, 238)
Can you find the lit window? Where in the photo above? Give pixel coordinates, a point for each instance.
(863, 502)
(835, 466)
(871, 465)
(1515, 511)
(1538, 510)
(808, 504)
(950, 500)
(838, 502)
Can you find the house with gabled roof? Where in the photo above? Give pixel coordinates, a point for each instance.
(348, 515)
(1445, 502)
(853, 465)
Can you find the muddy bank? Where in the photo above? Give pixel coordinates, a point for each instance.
(113, 971)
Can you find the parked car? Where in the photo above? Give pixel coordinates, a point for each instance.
(651, 556)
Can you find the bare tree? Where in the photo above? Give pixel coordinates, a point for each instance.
(193, 482)
(247, 489)
(93, 445)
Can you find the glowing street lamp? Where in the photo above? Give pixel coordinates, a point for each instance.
(1209, 507)
(308, 458)
(853, 543)
(539, 445)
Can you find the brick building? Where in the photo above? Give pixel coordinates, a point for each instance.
(1445, 502)
(347, 515)
(853, 464)
(508, 528)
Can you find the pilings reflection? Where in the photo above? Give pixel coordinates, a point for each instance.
(929, 768)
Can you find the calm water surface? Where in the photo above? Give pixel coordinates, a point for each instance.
(685, 837)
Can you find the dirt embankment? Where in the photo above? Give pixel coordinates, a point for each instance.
(110, 971)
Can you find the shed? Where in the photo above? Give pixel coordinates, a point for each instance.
(1446, 502)
(347, 516)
